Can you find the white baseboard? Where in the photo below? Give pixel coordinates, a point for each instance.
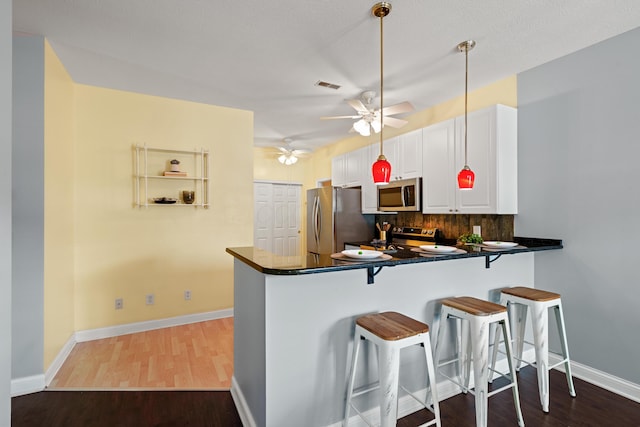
(130, 328)
(609, 382)
(241, 404)
(27, 385)
(55, 366)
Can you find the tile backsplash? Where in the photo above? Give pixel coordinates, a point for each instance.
(494, 227)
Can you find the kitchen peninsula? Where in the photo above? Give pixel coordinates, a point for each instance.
(294, 317)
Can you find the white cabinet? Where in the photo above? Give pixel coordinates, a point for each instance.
(369, 189)
(404, 153)
(156, 185)
(492, 155)
(338, 171)
(347, 169)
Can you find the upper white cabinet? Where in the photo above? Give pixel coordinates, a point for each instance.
(492, 155)
(404, 153)
(338, 171)
(369, 189)
(347, 169)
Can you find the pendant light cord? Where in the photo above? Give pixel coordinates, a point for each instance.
(466, 84)
(381, 82)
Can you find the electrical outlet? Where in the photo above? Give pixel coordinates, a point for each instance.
(150, 299)
(187, 295)
(119, 303)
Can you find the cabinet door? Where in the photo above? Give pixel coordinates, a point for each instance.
(410, 155)
(391, 151)
(492, 154)
(481, 159)
(338, 175)
(354, 167)
(369, 189)
(439, 174)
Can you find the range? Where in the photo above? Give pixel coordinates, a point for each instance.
(402, 239)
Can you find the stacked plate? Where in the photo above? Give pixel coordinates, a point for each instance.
(499, 245)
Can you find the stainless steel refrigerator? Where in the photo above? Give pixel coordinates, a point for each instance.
(334, 216)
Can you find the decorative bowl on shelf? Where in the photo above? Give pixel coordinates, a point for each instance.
(164, 200)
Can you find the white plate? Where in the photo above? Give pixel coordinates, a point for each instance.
(438, 249)
(361, 253)
(500, 244)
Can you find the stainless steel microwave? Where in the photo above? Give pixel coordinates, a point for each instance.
(398, 196)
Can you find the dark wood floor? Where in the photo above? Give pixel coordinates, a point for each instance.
(592, 407)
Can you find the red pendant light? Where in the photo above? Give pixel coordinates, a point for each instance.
(466, 175)
(381, 169)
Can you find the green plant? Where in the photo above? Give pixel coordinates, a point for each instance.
(470, 238)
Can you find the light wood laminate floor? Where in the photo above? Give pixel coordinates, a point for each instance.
(197, 356)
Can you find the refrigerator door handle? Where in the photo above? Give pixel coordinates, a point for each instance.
(317, 220)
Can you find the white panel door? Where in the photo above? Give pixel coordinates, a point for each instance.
(277, 218)
(262, 216)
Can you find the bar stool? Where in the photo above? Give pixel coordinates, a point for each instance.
(477, 316)
(518, 299)
(391, 332)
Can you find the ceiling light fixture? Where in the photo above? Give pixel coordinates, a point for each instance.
(466, 175)
(288, 159)
(381, 169)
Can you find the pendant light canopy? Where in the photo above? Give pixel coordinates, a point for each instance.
(381, 169)
(466, 175)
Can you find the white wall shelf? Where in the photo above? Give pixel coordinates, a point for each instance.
(150, 183)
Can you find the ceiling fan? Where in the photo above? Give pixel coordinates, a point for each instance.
(288, 155)
(369, 118)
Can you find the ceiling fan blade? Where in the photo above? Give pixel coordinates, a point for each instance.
(300, 152)
(393, 122)
(358, 105)
(284, 150)
(403, 107)
(339, 117)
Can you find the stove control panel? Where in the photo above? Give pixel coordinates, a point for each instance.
(412, 231)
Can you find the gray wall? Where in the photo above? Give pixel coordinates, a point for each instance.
(28, 207)
(579, 162)
(5, 212)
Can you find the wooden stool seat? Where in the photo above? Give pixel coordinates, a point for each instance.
(474, 306)
(531, 294)
(391, 332)
(392, 326)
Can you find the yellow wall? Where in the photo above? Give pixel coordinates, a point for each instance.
(267, 167)
(128, 252)
(59, 201)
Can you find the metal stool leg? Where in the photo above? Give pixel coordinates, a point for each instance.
(516, 395)
(479, 343)
(565, 347)
(352, 376)
(539, 320)
(388, 367)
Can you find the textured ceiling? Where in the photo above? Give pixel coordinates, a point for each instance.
(267, 56)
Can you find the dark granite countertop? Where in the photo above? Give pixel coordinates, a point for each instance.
(269, 263)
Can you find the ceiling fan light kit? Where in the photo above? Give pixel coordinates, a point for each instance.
(381, 169)
(466, 176)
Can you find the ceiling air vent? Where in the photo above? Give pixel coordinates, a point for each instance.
(327, 85)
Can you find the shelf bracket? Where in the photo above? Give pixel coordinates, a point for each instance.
(371, 274)
(488, 260)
